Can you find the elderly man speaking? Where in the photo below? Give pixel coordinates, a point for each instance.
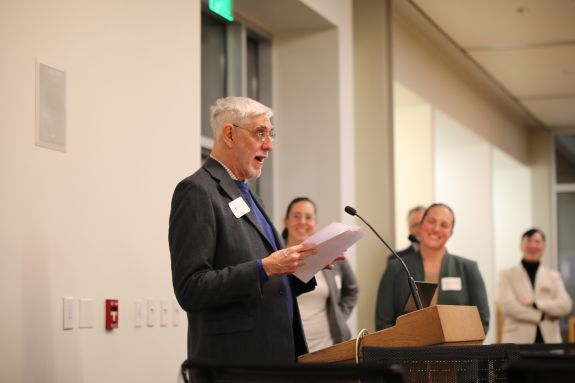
(229, 271)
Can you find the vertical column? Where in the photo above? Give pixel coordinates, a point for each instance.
(542, 181)
(374, 143)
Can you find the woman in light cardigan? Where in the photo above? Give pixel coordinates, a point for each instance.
(325, 310)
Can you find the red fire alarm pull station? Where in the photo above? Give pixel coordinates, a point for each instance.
(111, 314)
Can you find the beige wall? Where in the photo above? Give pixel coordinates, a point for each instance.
(429, 71)
(482, 155)
(413, 157)
(92, 222)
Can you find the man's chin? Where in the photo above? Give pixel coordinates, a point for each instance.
(255, 174)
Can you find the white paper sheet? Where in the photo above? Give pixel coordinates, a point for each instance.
(332, 241)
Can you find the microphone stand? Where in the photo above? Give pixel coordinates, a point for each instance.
(410, 280)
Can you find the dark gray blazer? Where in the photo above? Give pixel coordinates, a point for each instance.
(341, 301)
(232, 316)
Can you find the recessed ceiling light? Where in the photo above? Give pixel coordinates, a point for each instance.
(522, 10)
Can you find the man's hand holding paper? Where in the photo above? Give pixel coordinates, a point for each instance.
(288, 260)
(330, 242)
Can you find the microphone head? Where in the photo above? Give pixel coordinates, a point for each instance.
(350, 210)
(412, 238)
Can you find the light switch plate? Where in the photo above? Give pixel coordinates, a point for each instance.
(68, 313)
(176, 309)
(86, 313)
(164, 312)
(151, 312)
(138, 313)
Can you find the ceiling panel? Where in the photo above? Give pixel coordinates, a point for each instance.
(557, 113)
(281, 15)
(532, 72)
(477, 23)
(526, 46)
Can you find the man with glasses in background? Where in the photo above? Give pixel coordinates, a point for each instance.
(414, 216)
(229, 271)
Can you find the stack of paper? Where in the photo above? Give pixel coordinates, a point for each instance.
(332, 241)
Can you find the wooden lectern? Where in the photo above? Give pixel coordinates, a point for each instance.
(434, 325)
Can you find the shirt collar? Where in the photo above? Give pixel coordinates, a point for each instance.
(233, 177)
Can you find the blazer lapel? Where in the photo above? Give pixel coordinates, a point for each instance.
(218, 173)
(521, 276)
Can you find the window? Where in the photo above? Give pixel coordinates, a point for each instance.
(214, 67)
(236, 60)
(565, 205)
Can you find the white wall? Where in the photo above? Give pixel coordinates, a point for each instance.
(476, 146)
(511, 208)
(438, 78)
(490, 194)
(306, 157)
(462, 180)
(92, 222)
(313, 102)
(413, 157)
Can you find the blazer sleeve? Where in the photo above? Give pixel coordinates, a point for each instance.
(202, 279)
(384, 307)
(478, 295)
(559, 302)
(509, 303)
(349, 289)
(300, 287)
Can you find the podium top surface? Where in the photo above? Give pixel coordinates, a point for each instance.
(434, 325)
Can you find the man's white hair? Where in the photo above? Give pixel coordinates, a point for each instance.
(236, 110)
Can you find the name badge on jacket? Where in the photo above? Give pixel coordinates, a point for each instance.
(239, 207)
(451, 284)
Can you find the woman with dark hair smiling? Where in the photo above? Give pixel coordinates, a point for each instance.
(459, 280)
(325, 310)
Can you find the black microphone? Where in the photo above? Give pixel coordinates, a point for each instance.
(412, 238)
(412, 286)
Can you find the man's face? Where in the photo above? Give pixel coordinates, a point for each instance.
(414, 221)
(533, 248)
(249, 151)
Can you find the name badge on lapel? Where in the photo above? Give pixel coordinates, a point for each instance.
(451, 284)
(239, 207)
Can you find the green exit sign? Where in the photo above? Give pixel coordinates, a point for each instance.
(224, 8)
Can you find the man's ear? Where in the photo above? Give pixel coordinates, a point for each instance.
(229, 135)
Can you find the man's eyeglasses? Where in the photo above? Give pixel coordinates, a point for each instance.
(260, 133)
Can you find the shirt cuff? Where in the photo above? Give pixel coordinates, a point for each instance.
(263, 276)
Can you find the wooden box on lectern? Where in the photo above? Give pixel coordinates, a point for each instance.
(434, 325)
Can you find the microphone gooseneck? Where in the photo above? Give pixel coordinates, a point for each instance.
(412, 286)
